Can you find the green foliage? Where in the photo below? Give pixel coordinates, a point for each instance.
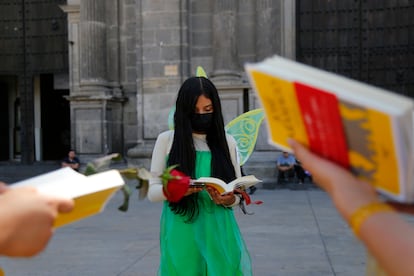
(127, 194)
(141, 175)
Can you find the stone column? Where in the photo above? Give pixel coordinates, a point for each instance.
(93, 47)
(275, 28)
(226, 68)
(268, 25)
(96, 109)
(274, 33)
(73, 13)
(113, 49)
(288, 11)
(225, 55)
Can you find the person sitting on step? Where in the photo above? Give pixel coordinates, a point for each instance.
(300, 172)
(285, 166)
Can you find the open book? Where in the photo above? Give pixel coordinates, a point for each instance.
(360, 127)
(222, 187)
(90, 193)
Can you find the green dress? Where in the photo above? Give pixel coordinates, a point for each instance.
(211, 245)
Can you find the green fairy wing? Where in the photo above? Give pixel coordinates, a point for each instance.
(245, 128)
(171, 118)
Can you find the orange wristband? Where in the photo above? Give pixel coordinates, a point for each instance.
(364, 212)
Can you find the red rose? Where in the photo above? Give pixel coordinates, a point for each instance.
(175, 184)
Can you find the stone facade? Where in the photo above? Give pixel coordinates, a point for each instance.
(128, 58)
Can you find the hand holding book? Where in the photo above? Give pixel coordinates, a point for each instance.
(223, 193)
(365, 129)
(90, 193)
(222, 187)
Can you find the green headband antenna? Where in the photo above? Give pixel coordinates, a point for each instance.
(200, 72)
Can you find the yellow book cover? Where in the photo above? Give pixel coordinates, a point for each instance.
(361, 127)
(222, 187)
(90, 193)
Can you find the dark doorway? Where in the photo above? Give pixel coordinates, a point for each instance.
(4, 121)
(371, 41)
(55, 120)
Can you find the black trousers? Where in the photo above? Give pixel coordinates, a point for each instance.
(296, 170)
(300, 173)
(286, 174)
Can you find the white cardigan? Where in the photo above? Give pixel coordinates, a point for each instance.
(161, 150)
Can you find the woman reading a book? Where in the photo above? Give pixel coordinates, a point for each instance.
(386, 235)
(199, 233)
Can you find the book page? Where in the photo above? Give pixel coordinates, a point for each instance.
(222, 187)
(68, 183)
(64, 182)
(216, 183)
(244, 182)
(90, 193)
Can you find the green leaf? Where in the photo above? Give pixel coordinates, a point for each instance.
(141, 175)
(127, 194)
(129, 173)
(103, 163)
(143, 189)
(144, 174)
(90, 169)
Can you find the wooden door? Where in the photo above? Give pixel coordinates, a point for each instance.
(371, 41)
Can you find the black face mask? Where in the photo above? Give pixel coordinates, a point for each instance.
(201, 122)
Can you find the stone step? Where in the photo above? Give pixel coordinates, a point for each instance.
(262, 165)
(11, 172)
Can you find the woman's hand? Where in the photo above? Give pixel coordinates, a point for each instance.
(192, 190)
(226, 199)
(347, 192)
(344, 188)
(27, 219)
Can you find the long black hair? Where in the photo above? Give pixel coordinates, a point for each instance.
(183, 151)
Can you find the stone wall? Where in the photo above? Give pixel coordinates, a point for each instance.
(150, 47)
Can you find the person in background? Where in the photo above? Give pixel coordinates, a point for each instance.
(285, 166)
(299, 171)
(71, 161)
(26, 220)
(386, 235)
(199, 232)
